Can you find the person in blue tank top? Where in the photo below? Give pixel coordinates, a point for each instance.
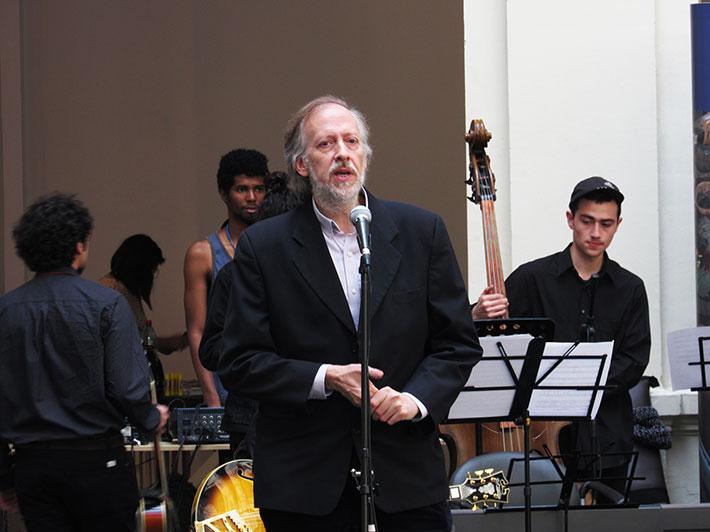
(240, 182)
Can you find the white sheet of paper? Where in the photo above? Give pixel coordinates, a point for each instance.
(488, 372)
(683, 348)
(573, 371)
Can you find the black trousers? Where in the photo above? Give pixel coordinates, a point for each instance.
(346, 518)
(76, 490)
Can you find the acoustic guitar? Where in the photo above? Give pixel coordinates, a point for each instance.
(225, 500)
(482, 490)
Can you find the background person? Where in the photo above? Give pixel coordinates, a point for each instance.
(72, 370)
(240, 182)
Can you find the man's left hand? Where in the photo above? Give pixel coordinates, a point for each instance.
(391, 406)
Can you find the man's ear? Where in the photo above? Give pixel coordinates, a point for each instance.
(301, 167)
(570, 219)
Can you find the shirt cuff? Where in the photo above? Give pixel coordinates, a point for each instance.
(318, 390)
(423, 412)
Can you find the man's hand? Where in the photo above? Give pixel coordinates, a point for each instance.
(346, 381)
(490, 305)
(164, 418)
(8, 501)
(391, 406)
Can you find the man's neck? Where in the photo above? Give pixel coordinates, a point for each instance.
(585, 266)
(236, 226)
(341, 216)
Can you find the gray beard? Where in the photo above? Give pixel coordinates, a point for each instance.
(335, 199)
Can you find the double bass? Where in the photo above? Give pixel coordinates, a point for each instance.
(503, 436)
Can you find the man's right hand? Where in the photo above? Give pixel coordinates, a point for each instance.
(346, 381)
(164, 418)
(490, 305)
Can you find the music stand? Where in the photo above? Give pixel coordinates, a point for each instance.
(526, 385)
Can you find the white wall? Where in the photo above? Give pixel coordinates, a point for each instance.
(571, 89)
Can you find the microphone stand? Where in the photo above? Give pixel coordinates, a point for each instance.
(587, 334)
(365, 477)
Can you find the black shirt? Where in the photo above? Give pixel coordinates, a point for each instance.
(72, 363)
(550, 287)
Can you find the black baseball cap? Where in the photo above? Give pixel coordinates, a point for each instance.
(585, 186)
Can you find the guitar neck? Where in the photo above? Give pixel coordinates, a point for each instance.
(159, 457)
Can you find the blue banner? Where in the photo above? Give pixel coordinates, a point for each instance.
(700, 35)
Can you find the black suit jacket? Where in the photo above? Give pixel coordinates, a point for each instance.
(288, 315)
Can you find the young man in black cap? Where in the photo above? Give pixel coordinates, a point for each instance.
(590, 298)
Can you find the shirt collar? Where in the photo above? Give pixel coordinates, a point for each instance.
(564, 263)
(67, 270)
(328, 226)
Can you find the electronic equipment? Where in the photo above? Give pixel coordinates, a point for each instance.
(198, 425)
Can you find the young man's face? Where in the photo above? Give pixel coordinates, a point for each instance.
(245, 197)
(593, 227)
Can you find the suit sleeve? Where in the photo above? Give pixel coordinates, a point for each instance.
(211, 342)
(6, 472)
(452, 347)
(250, 364)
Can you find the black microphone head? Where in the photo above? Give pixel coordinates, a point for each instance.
(360, 212)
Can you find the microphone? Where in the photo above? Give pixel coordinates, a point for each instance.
(360, 217)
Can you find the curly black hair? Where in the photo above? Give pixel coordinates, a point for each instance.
(240, 162)
(135, 262)
(47, 233)
(280, 197)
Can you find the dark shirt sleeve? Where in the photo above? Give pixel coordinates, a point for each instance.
(452, 348)
(126, 371)
(517, 286)
(211, 343)
(633, 345)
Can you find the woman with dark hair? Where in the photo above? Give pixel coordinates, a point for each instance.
(133, 268)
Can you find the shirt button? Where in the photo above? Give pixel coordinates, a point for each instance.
(350, 253)
(353, 291)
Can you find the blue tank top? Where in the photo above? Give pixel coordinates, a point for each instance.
(220, 257)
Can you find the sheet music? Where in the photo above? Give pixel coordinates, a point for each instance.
(573, 371)
(491, 371)
(683, 348)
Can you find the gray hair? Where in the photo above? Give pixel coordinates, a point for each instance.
(294, 143)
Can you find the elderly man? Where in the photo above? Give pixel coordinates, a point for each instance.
(290, 341)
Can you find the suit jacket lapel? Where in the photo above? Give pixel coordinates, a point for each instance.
(315, 265)
(385, 257)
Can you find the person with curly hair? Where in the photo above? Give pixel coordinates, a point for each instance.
(73, 370)
(134, 266)
(240, 181)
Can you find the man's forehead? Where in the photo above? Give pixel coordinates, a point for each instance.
(329, 116)
(243, 179)
(598, 210)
